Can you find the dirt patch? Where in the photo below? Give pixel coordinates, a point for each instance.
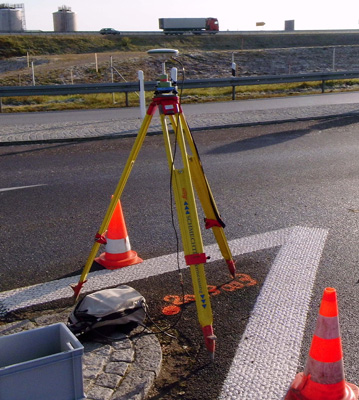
(96, 67)
(178, 360)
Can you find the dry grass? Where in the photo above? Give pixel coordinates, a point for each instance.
(81, 68)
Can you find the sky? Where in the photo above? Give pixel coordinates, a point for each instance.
(233, 15)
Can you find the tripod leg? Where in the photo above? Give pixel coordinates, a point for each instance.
(213, 219)
(116, 196)
(191, 235)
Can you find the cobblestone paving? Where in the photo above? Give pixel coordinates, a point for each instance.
(130, 126)
(122, 370)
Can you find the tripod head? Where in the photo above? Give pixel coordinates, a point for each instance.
(163, 84)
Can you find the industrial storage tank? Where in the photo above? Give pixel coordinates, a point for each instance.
(64, 20)
(12, 18)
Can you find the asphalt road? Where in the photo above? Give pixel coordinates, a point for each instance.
(264, 178)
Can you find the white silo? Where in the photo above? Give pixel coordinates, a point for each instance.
(12, 18)
(64, 20)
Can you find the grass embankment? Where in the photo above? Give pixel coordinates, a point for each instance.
(20, 45)
(58, 56)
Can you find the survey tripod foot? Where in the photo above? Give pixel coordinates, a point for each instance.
(209, 339)
(77, 289)
(231, 267)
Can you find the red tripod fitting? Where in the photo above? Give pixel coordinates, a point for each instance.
(167, 105)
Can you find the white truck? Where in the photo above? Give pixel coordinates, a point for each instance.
(194, 25)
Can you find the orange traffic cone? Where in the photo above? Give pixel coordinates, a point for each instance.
(118, 251)
(323, 376)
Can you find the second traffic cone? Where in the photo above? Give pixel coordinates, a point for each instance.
(118, 251)
(323, 376)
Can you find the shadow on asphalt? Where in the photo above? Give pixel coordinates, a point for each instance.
(270, 139)
(37, 149)
(95, 267)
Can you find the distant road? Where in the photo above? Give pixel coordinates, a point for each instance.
(145, 33)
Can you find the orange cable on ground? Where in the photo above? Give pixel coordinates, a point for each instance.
(118, 251)
(323, 376)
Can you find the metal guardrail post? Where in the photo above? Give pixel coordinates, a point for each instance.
(141, 79)
(323, 85)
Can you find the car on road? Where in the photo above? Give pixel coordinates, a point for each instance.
(109, 31)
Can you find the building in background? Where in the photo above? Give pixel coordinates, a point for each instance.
(289, 25)
(64, 20)
(12, 17)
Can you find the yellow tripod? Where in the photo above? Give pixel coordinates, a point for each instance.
(184, 180)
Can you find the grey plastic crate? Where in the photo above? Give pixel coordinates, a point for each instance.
(41, 364)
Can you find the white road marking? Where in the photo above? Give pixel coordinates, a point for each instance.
(267, 357)
(21, 187)
(60, 289)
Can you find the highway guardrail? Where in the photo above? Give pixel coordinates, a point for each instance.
(128, 87)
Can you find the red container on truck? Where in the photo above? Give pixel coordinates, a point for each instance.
(194, 25)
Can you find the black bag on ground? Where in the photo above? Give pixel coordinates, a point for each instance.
(119, 306)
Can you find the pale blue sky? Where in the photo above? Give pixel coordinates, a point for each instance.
(142, 15)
